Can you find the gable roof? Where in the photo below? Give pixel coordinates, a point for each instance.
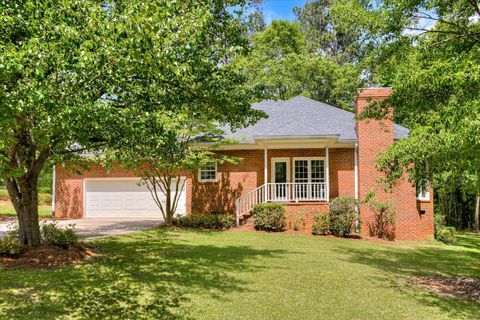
(302, 117)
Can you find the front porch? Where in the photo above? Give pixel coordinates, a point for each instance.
(298, 177)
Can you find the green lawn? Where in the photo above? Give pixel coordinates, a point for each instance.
(6, 210)
(179, 274)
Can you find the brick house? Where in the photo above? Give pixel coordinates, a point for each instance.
(304, 154)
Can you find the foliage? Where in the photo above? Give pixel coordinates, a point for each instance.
(281, 67)
(342, 216)
(438, 223)
(447, 235)
(205, 220)
(55, 64)
(85, 75)
(52, 234)
(321, 224)
(384, 222)
(329, 34)
(10, 246)
(297, 220)
(196, 92)
(269, 217)
(432, 60)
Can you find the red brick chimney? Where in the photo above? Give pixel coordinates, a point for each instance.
(414, 219)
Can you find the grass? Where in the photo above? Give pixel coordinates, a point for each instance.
(44, 209)
(7, 210)
(182, 274)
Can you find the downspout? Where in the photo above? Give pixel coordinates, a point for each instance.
(53, 191)
(355, 160)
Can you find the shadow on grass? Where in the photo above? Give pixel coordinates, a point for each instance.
(468, 240)
(422, 261)
(143, 276)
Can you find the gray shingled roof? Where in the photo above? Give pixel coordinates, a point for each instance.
(303, 117)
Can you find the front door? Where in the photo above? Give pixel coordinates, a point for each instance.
(280, 190)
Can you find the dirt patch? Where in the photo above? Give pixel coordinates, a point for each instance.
(50, 256)
(453, 287)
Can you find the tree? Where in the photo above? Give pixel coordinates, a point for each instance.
(54, 68)
(175, 86)
(255, 22)
(280, 65)
(163, 154)
(330, 34)
(72, 71)
(432, 61)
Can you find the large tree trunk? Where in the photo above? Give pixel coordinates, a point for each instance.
(23, 193)
(477, 214)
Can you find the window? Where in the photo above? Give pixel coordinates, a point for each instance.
(423, 192)
(208, 173)
(309, 177)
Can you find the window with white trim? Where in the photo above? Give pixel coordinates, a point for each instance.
(208, 173)
(423, 190)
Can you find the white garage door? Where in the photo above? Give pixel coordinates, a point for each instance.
(123, 198)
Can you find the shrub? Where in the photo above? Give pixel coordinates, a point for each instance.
(439, 223)
(321, 224)
(269, 217)
(297, 221)
(342, 216)
(52, 234)
(202, 220)
(10, 246)
(383, 225)
(447, 235)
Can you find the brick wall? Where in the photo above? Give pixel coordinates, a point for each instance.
(373, 138)
(235, 180)
(69, 188)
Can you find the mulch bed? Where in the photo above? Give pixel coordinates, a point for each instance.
(49, 256)
(453, 287)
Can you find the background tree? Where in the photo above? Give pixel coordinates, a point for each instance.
(329, 34)
(282, 67)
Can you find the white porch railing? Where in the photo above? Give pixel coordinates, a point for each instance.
(280, 192)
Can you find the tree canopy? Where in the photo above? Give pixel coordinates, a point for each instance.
(74, 75)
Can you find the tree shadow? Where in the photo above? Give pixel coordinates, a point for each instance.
(468, 240)
(406, 263)
(143, 276)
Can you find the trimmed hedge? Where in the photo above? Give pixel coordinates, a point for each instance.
(269, 217)
(205, 220)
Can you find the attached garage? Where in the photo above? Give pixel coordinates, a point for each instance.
(122, 198)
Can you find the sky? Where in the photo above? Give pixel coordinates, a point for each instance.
(280, 9)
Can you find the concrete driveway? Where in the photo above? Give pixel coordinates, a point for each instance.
(98, 228)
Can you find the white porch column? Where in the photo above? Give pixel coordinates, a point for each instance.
(265, 173)
(327, 173)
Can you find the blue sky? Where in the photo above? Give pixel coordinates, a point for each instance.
(280, 9)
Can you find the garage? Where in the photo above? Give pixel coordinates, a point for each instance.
(123, 198)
